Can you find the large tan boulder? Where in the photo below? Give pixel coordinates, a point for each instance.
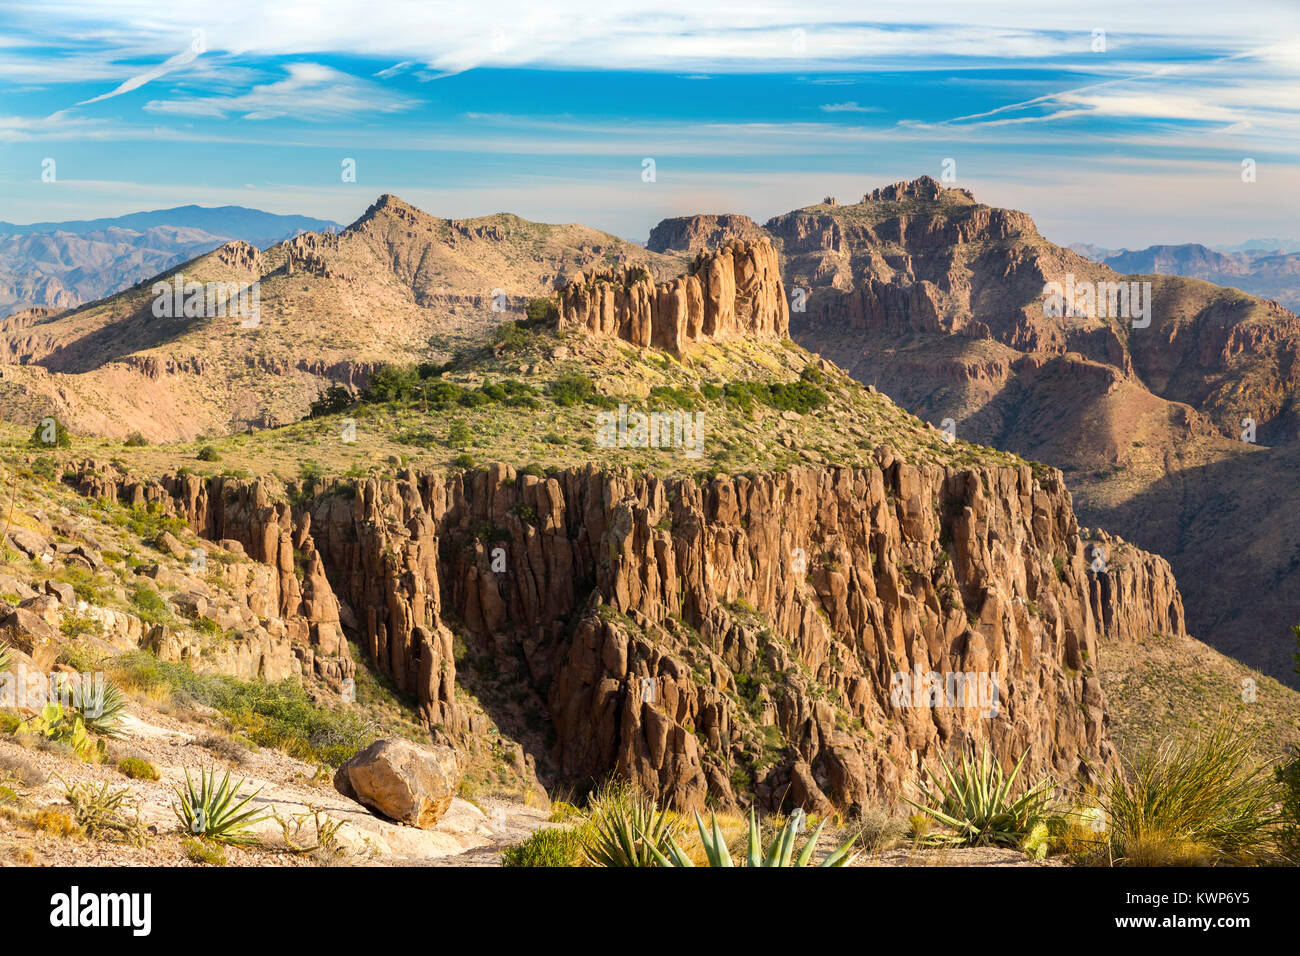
(402, 780)
(29, 633)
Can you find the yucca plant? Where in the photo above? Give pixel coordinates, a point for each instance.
(974, 801)
(210, 809)
(627, 829)
(779, 853)
(101, 705)
(1195, 799)
(4, 658)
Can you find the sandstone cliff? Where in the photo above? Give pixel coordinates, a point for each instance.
(735, 638)
(732, 292)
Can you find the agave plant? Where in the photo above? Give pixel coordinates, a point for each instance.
(210, 810)
(974, 801)
(779, 853)
(100, 704)
(626, 829)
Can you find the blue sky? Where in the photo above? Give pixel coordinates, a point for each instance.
(1108, 125)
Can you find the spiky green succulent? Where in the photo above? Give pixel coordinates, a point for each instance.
(627, 829)
(101, 704)
(210, 810)
(779, 853)
(974, 802)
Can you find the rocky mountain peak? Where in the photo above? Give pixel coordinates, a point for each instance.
(694, 233)
(923, 187)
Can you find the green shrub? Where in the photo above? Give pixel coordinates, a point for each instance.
(393, 383)
(208, 453)
(511, 336)
(683, 398)
(149, 605)
(463, 460)
(137, 769)
(442, 394)
(280, 715)
(50, 433)
(199, 851)
(336, 398)
(572, 388)
(541, 311)
(459, 435)
(552, 846)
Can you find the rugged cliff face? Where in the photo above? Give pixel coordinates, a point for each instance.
(734, 291)
(293, 609)
(733, 638)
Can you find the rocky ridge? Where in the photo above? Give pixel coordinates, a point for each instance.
(731, 638)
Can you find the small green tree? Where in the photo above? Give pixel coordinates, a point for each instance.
(51, 433)
(393, 383)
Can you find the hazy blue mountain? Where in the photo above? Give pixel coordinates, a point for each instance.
(64, 264)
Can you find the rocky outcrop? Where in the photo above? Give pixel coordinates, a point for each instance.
(701, 233)
(284, 610)
(405, 782)
(26, 630)
(1133, 592)
(733, 292)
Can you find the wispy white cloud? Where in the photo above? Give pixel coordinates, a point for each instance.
(681, 36)
(850, 106)
(310, 91)
(191, 53)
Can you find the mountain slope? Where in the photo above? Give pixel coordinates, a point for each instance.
(724, 627)
(397, 285)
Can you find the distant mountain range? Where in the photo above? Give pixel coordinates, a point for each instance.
(64, 264)
(1264, 267)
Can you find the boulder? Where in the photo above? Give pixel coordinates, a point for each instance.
(63, 591)
(29, 633)
(168, 544)
(402, 780)
(46, 607)
(29, 542)
(190, 604)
